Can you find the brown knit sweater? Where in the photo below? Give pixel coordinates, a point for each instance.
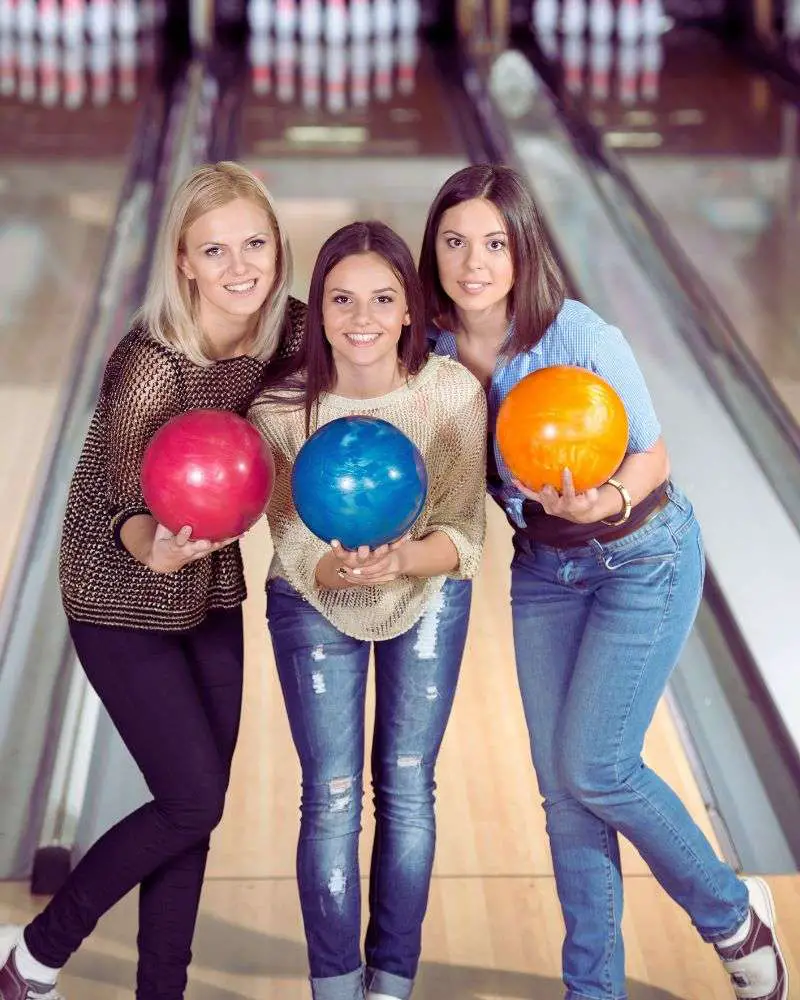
(146, 384)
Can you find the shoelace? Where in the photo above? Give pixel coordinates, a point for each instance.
(50, 995)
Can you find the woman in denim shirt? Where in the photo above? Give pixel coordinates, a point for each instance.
(605, 587)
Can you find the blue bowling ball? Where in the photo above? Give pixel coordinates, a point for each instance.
(359, 480)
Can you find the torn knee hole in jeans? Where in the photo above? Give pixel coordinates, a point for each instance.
(341, 792)
(337, 883)
(409, 760)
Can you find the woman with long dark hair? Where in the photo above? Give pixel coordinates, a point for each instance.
(605, 586)
(365, 352)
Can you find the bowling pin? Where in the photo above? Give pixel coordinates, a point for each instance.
(74, 74)
(383, 62)
(601, 19)
(49, 82)
(335, 74)
(310, 72)
(652, 60)
(26, 62)
(48, 22)
(286, 55)
(285, 18)
(383, 18)
(73, 15)
(311, 12)
(335, 25)
(628, 71)
(407, 57)
(260, 15)
(8, 17)
(99, 20)
(360, 19)
(629, 23)
(126, 67)
(359, 72)
(573, 17)
(652, 17)
(544, 17)
(100, 60)
(573, 58)
(600, 68)
(260, 46)
(126, 19)
(407, 17)
(26, 18)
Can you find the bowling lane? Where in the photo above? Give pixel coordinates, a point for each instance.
(713, 147)
(68, 114)
(364, 152)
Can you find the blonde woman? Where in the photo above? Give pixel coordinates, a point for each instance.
(155, 617)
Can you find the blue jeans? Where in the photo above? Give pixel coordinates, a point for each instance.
(597, 631)
(323, 674)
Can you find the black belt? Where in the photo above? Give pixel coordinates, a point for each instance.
(632, 525)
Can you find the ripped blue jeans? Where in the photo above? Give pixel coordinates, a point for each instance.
(323, 674)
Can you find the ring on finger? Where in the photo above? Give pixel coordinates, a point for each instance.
(342, 572)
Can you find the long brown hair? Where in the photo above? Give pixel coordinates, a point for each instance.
(311, 372)
(538, 290)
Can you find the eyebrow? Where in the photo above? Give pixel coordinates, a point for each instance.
(375, 291)
(453, 232)
(221, 243)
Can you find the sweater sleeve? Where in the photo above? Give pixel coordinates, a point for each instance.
(141, 394)
(457, 470)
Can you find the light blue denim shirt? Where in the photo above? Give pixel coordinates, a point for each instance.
(579, 337)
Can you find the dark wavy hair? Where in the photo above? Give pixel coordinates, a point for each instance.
(538, 290)
(310, 372)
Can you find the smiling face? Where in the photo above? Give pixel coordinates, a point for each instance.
(473, 257)
(363, 312)
(230, 254)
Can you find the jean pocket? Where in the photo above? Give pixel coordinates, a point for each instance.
(654, 547)
(622, 560)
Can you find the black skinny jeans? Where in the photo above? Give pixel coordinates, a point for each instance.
(175, 699)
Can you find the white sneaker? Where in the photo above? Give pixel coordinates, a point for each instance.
(12, 985)
(756, 965)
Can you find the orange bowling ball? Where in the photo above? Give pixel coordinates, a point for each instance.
(562, 417)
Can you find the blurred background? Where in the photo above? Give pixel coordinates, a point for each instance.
(661, 141)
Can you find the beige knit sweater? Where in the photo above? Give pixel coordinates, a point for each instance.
(443, 411)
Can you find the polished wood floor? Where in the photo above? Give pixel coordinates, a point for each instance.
(493, 930)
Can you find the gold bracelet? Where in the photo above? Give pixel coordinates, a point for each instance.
(626, 503)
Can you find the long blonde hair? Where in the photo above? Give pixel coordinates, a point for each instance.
(170, 310)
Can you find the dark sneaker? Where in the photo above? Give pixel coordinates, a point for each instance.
(756, 965)
(12, 985)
